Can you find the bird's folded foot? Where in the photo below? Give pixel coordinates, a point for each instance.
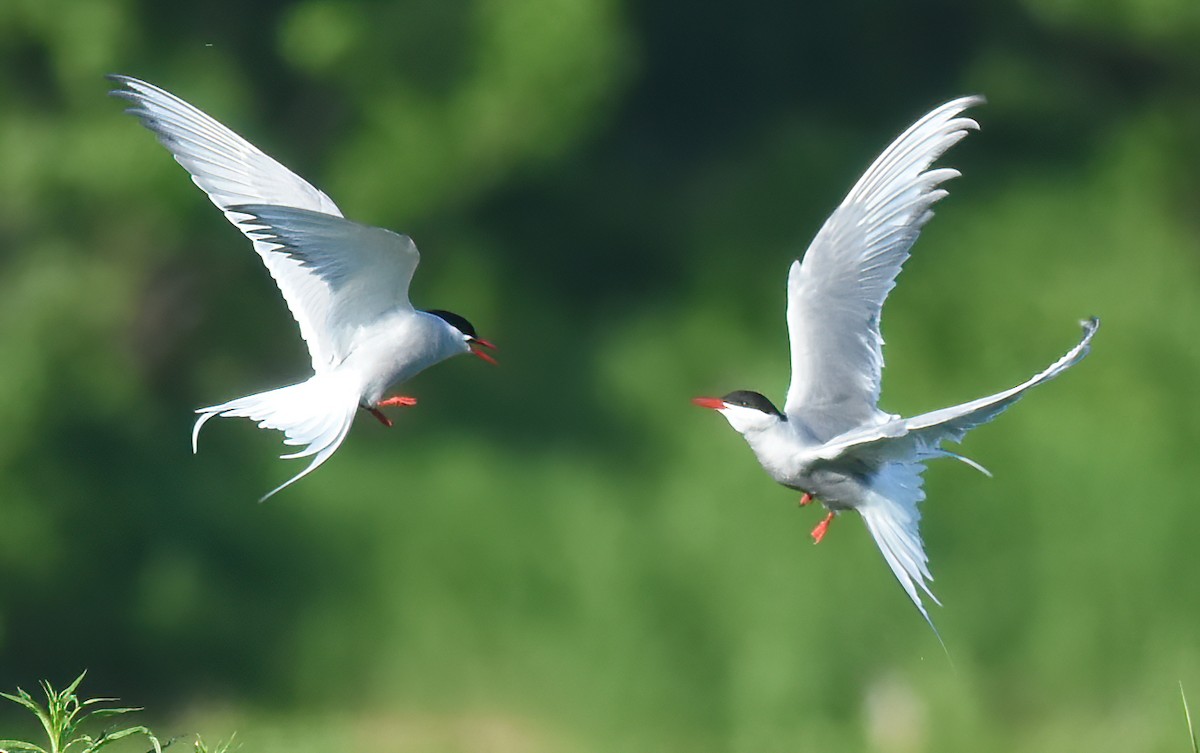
(396, 400)
(818, 533)
(806, 499)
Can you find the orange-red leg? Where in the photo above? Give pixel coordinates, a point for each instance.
(379, 415)
(806, 499)
(818, 533)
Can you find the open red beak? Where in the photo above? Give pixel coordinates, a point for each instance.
(482, 344)
(715, 403)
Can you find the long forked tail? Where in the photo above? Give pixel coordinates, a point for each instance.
(893, 519)
(890, 508)
(315, 414)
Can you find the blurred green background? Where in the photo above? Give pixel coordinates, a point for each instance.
(563, 554)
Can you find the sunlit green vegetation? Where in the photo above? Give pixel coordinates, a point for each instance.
(64, 718)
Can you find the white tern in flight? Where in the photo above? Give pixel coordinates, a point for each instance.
(346, 284)
(831, 441)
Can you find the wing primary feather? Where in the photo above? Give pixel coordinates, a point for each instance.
(921, 436)
(336, 276)
(837, 290)
(231, 170)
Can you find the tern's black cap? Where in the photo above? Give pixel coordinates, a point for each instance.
(454, 320)
(755, 400)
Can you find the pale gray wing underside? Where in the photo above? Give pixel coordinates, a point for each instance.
(836, 292)
(233, 172)
(366, 269)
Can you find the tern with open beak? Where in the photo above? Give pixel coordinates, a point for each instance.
(346, 284)
(831, 441)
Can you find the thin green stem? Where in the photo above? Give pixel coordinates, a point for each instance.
(1188, 716)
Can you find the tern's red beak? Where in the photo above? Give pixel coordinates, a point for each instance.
(476, 343)
(715, 403)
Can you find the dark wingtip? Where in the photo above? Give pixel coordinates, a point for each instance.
(124, 84)
(125, 90)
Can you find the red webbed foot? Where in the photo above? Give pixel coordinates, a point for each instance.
(822, 528)
(398, 400)
(806, 499)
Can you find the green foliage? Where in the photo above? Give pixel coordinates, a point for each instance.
(63, 716)
(221, 747)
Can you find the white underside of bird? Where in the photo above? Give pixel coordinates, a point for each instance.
(345, 283)
(831, 441)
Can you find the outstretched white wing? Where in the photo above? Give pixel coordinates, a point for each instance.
(921, 436)
(836, 292)
(366, 270)
(234, 173)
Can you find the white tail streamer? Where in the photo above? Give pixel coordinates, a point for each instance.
(315, 414)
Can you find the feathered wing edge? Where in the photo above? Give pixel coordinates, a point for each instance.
(232, 171)
(903, 438)
(836, 291)
(316, 414)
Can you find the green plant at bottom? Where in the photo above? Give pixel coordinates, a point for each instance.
(1188, 715)
(220, 748)
(62, 717)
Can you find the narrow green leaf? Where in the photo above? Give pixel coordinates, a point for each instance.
(71, 688)
(85, 740)
(102, 713)
(22, 699)
(18, 746)
(90, 701)
(1188, 716)
(110, 737)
